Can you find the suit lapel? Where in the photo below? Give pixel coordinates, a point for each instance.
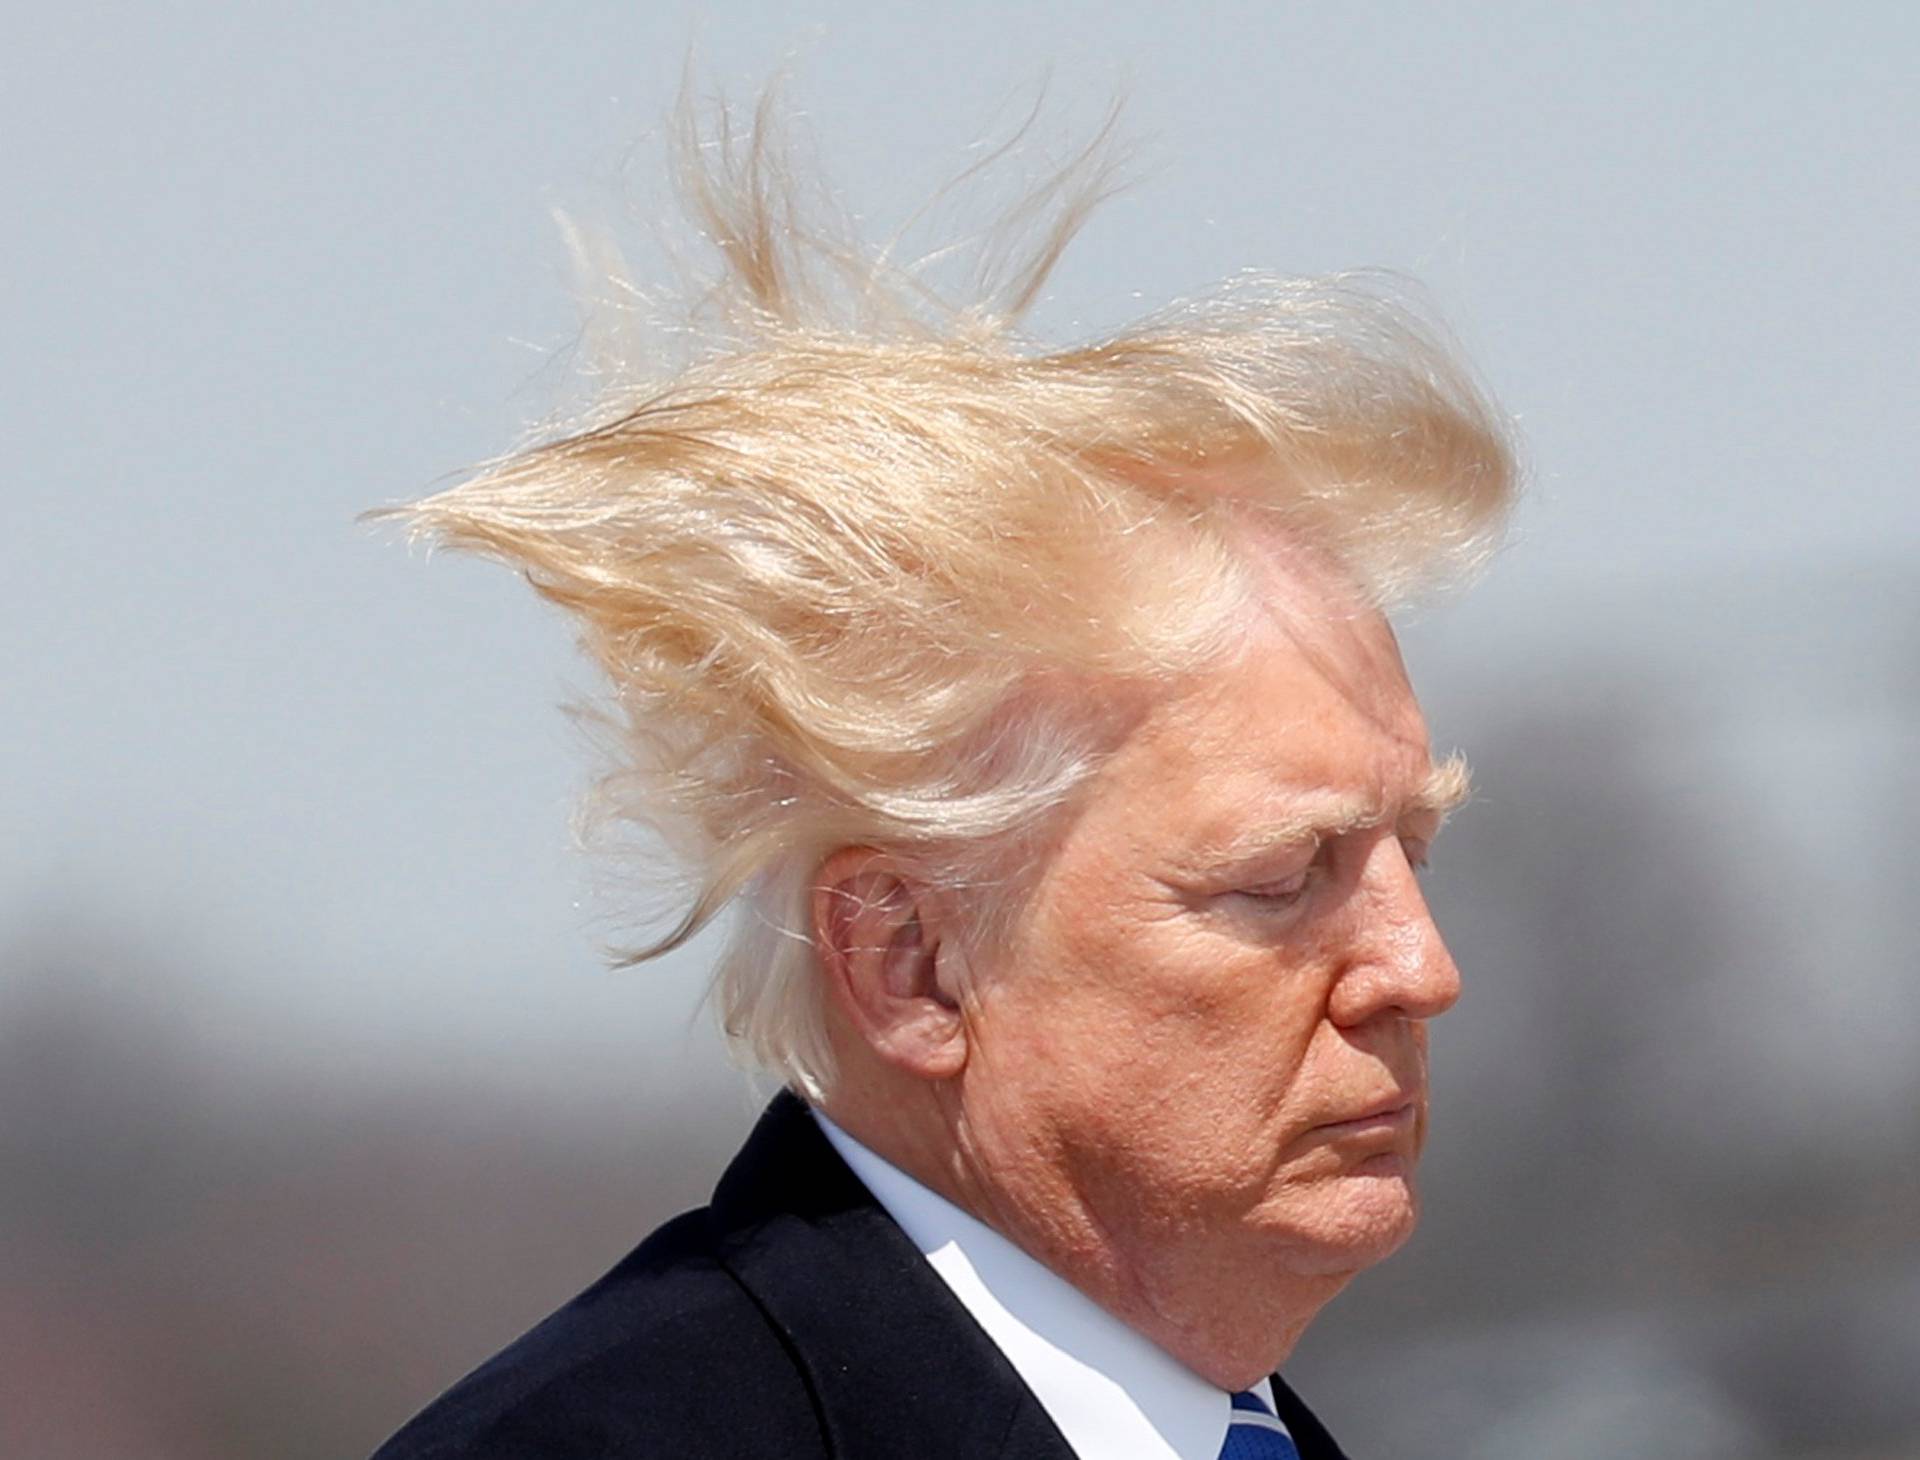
(895, 1362)
(1309, 1435)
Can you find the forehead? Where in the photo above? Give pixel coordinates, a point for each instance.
(1308, 700)
(1314, 706)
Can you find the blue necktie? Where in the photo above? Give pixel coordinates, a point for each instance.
(1256, 1433)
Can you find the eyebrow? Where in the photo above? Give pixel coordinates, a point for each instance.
(1444, 790)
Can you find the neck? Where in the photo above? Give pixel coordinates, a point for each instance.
(1218, 1303)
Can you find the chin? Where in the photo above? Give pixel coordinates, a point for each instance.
(1361, 1218)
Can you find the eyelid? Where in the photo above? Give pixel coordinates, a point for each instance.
(1424, 826)
(1279, 894)
(1287, 886)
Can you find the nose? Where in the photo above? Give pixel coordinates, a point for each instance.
(1396, 961)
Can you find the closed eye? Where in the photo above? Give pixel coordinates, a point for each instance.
(1279, 894)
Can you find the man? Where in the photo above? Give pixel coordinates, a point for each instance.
(1041, 709)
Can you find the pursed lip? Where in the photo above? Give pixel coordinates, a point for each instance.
(1388, 1113)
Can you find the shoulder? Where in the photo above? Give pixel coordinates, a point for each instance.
(664, 1353)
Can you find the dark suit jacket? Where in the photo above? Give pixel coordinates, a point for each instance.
(791, 1318)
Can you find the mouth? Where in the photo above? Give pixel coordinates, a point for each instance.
(1385, 1117)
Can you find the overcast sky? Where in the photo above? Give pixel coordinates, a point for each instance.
(270, 265)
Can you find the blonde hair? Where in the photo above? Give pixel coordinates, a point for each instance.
(851, 562)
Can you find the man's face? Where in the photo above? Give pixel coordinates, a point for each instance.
(1209, 1024)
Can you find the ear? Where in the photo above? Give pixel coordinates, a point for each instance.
(879, 938)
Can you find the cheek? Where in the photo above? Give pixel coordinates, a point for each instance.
(1128, 992)
(1146, 1038)
(1079, 1043)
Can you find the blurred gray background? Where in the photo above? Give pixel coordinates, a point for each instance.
(313, 1090)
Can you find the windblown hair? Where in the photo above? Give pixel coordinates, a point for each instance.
(854, 563)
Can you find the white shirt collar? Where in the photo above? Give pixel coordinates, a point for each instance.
(1112, 1392)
